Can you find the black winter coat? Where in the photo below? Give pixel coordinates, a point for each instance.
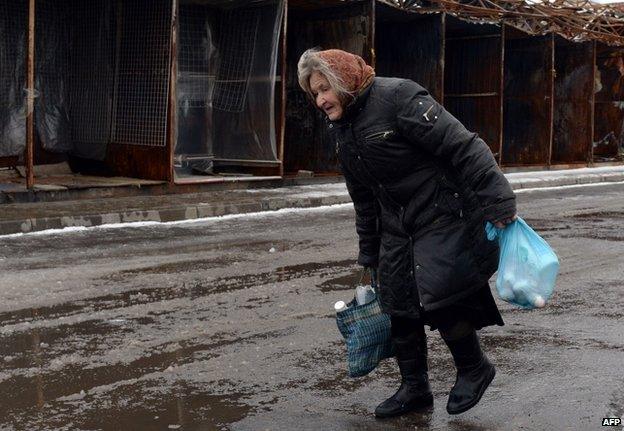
(423, 187)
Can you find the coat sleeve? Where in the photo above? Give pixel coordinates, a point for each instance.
(425, 122)
(366, 220)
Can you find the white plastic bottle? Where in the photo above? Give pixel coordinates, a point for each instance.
(364, 294)
(340, 306)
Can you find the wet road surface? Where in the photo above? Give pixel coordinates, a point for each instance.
(228, 324)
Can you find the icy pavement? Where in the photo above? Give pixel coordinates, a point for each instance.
(227, 323)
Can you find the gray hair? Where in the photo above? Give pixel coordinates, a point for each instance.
(311, 62)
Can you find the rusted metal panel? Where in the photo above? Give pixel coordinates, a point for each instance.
(410, 46)
(139, 161)
(9, 161)
(472, 78)
(609, 103)
(527, 99)
(344, 27)
(480, 115)
(573, 101)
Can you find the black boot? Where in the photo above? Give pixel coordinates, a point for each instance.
(474, 373)
(414, 392)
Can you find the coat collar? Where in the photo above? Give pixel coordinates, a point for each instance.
(355, 106)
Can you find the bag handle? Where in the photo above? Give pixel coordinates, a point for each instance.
(373, 276)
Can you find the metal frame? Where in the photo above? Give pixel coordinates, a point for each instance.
(576, 20)
(30, 98)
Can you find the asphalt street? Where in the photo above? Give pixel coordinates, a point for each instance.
(228, 323)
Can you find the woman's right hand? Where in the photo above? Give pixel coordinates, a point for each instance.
(502, 223)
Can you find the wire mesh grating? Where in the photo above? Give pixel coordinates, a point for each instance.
(238, 32)
(92, 71)
(142, 72)
(196, 56)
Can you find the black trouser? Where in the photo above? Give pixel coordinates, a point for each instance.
(410, 341)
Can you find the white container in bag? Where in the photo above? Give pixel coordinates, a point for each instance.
(340, 306)
(364, 294)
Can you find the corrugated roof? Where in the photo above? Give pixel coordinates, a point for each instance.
(576, 20)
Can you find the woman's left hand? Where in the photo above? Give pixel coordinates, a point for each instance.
(502, 224)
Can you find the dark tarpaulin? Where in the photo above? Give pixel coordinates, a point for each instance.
(76, 59)
(92, 77)
(226, 79)
(13, 25)
(52, 67)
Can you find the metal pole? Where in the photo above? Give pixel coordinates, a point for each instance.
(502, 97)
(172, 123)
(30, 97)
(371, 32)
(282, 136)
(590, 162)
(442, 60)
(552, 96)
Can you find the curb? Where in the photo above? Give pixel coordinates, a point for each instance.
(167, 214)
(565, 180)
(267, 204)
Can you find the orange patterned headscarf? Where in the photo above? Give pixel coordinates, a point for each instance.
(355, 74)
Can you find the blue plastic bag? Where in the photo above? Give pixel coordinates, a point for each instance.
(528, 267)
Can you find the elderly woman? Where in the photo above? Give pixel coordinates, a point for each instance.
(423, 187)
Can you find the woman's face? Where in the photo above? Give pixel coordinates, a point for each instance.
(325, 97)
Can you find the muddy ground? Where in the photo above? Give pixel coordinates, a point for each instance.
(228, 324)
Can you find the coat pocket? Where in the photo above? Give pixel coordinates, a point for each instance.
(449, 198)
(445, 262)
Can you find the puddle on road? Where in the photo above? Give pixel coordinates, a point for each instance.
(178, 267)
(41, 365)
(545, 225)
(139, 406)
(33, 381)
(517, 340)
(598, 236)
(616, 406)
(345, 282)
(193, 289)
(600, 225)
(36, 366)
(600, 215)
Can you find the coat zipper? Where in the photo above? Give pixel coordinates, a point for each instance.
(357, 150)
(402, 208)
(425, 115)
(413, 270)
(383, 134)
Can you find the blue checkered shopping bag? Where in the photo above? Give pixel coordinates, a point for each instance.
(366, 330)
